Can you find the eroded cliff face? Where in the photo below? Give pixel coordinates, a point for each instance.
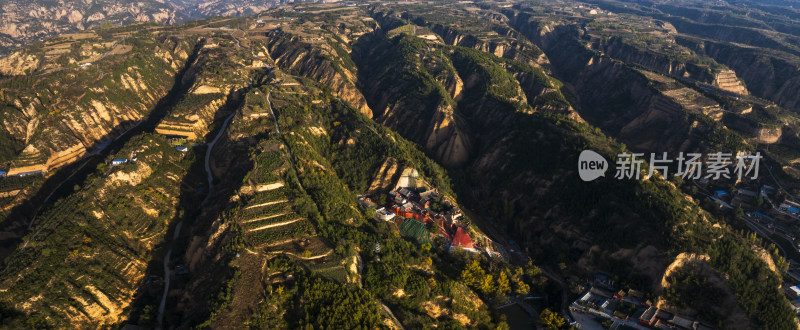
(712, 73)
(228, 8)
(64, 114)
(209, 89)
(502, 41)
(18, 63)
(22, 22)
(616, 48)
(446, 96)
(645, 111)
(426, 115)
(517, 50)
(773, 77)
(98, 269)
(639, 116)
(291, 53)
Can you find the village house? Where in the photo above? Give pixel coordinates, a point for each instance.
(366, 203)
(744, 198)
(793, 292)
(790, 207)
(30, 173)
(383, 214)
(761, 216)
(745, 193)
(631, 308)
(453, 215)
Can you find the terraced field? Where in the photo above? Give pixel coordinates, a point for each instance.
(268, 216)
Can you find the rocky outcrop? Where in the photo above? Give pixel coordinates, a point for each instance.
(18, 63)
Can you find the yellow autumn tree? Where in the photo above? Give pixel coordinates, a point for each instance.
(503, 286)
(551, 320)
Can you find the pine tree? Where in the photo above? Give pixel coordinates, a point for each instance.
(551, 320)
(503, 286)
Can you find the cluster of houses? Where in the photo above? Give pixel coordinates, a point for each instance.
(790, 208)
(631, 309)
(743, 197)
(413, 200)
(409, 204)
(771, 216)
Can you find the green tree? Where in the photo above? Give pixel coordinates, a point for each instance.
(487, 284)
(532, 271)
(520, 287)
(759, 201)
(551, 320)
(433, 228)
(425, 247)
(738, 212)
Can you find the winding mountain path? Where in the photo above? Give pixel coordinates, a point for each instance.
(210, 177)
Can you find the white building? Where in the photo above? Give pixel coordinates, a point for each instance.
(383, 214)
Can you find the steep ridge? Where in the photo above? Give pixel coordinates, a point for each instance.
(441, 130)
(276, 239)
(323, 57)
(169, 195)
(93, 246)
(713, 26)
(503, 189)
(435, 94)
(82, 116)
(710, 107)
(29, 22)
(616, 47)
(50, 123)
(22, 207)
(480, 30)
(644, 111)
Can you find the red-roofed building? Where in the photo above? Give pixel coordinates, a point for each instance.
(461, 239)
